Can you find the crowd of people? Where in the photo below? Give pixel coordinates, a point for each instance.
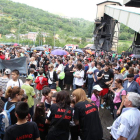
(70, 90)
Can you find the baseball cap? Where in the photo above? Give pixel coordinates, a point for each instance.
(7, 71)
(97, 87)
(29, 77)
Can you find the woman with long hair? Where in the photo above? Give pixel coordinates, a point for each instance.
(69, 75)
(15, 94)
(86, 115)
(58, 71)
(40, 118)
(52, 77)
(120, 95)
(79, 76)
(59, 117)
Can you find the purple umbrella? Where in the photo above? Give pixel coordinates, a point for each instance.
(59, 52)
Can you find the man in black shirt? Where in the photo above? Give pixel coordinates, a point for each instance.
(22, 129)
(105, 78)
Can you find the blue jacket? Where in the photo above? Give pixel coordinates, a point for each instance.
(134, 87)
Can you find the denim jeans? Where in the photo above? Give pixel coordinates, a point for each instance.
(90, 86)
(31, 111)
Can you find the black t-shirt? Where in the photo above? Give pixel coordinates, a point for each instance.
(107, 77)
(43, 128)
(62, 130)
(12, 114)
(87, 114)
(26, 131)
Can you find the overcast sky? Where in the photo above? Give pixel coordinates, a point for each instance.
(72, 8)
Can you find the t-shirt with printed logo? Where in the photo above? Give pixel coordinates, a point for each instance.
(61, 131)
(87, 115)
(107, 77)
(25, 131)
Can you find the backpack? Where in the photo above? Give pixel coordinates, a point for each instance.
(5, 119)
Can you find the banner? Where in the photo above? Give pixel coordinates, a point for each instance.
(17, 63)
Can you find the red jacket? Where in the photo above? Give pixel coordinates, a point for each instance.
(41, 81)
(2, 57)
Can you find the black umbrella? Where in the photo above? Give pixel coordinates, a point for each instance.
(38, 48)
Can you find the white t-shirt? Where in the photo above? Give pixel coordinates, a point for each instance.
(79, 81)
(14, 83)
(60, 68)
(51, 76)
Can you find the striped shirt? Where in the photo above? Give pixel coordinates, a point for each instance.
(3, 84)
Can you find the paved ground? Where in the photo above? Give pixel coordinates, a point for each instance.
(106, 120)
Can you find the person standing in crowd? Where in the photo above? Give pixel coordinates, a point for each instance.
(59, 117)
(15, 81)
(52, 77)
(69, 75)
(3, 82)
(86, 115)
(117, 75)
(126, 126)
(40, 119)
(95, 95)
(1, 101)
(130, 85)
(15, 93)
(58, 71)
(41, 81)
(30, 93)
(2, 56)
(22, 128)
(90, 73)
(120, 95)
(136, 73)
(105, 78)
(79, 76)
(46, 92)
(126, 72)
(122, 68)
(96, 72)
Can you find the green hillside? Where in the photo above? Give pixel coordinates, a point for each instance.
(33, 19)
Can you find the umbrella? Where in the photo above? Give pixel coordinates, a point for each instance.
(39, 48)
(15, 44)
(78, 50)
(59, 52)
(89, 51)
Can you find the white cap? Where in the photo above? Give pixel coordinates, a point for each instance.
(97, 87)
(7, 71)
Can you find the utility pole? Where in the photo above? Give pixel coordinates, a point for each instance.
(54, 34)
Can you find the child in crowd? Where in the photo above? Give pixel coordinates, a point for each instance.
(30, 93)
(40, 118)
(47, 94)
(74, 129)
(1, 101)
(22, 128)
(32, 71)
(41, 69)
(95, 95)
(15, 81)
(53, 100)
(41, 81)
(25, 99)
